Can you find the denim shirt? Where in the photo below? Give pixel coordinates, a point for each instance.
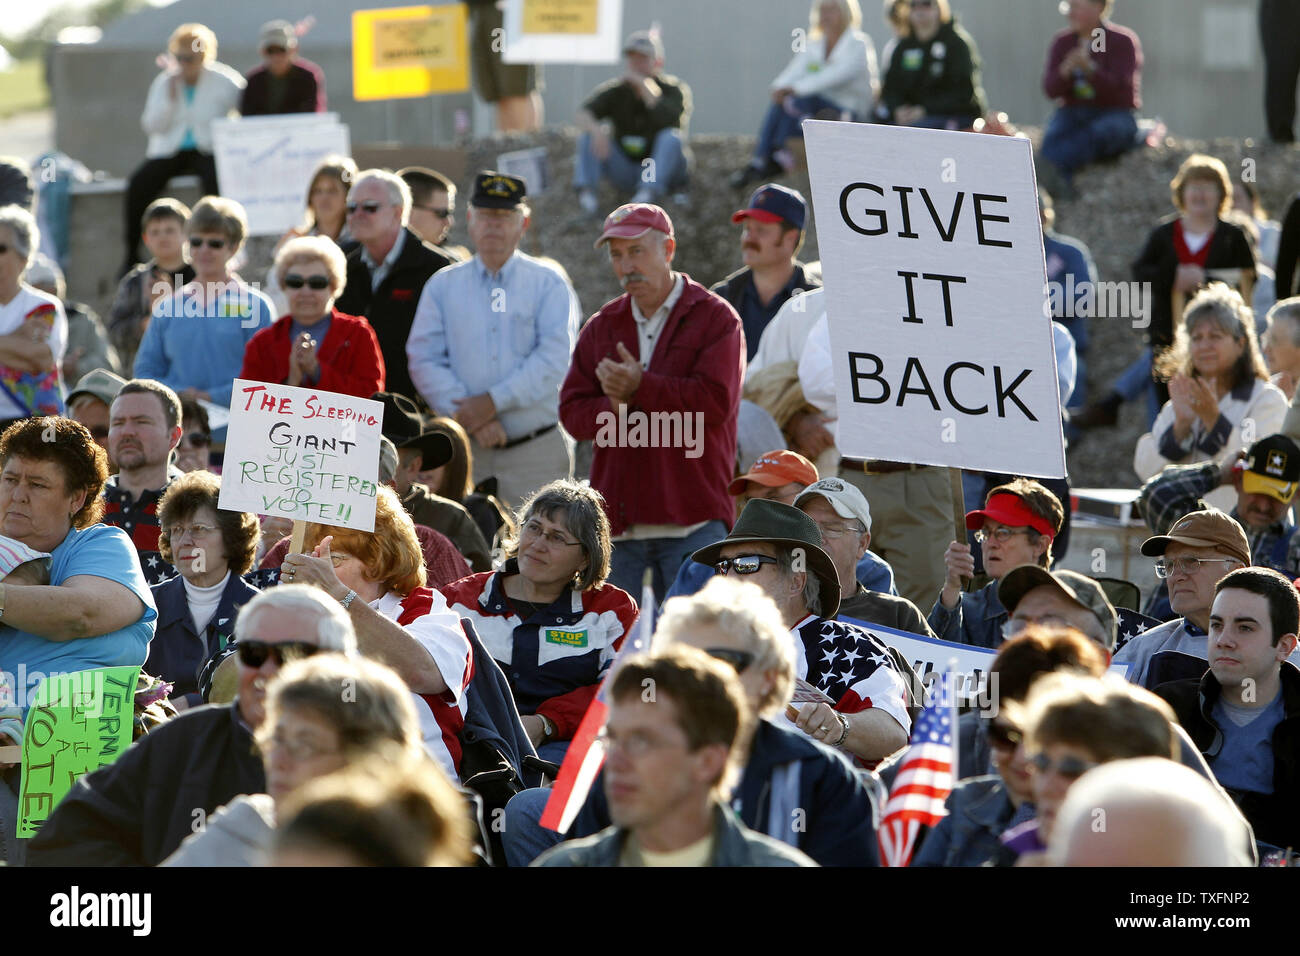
(976, 620)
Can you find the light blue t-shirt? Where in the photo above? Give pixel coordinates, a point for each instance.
(102, 551)
(1246, 760)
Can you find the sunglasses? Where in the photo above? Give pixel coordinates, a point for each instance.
(194, 440)
(1004, 736)
(187, 57)
(440, 213)
(197, 242)
(317, 283)
(1072, 768)
(743, 563)
(4, 248)
(273, 50)
(740, 660)
(255, 653)
(371, 207)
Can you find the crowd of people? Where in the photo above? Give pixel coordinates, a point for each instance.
(388, 697)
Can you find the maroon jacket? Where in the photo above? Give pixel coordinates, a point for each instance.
(1118, 80)
(698, 365)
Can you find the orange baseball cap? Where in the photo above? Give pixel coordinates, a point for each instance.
(774, 469)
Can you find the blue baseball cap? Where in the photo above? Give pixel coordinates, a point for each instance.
(773, 203)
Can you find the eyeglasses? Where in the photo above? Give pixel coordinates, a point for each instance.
(743, 564)
(1001, 535)
(193, 440)
(534, 530)
(194, 531)
(634, 745)
(740, 660)
(1015, 625)
(371, 207)
(1166, 567)
(440, 213)
(835, 532)
(197, 242)
(338, 557)
(255, 653)
(298, 750)
(1004, 736)
(1072, 768)
(295, 281)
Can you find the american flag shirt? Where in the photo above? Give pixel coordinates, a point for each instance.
(851, 666)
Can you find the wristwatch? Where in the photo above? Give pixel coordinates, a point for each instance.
(548, 728)
(844, 734)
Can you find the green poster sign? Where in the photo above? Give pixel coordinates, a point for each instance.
(79, 722)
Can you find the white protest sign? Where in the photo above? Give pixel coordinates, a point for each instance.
(265, 163)
(929, 655)
(932, 255)
(302, 454)
(563, 31)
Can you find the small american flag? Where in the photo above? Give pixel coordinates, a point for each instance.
(924, 777)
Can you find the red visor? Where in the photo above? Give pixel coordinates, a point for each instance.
(1010, 510)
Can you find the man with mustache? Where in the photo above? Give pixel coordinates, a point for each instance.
(144, 428)
(771, 236)
(655, 383)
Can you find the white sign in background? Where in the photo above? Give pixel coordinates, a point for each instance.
(603, 46)
(302, 454)
(265, 163)
(932, 255)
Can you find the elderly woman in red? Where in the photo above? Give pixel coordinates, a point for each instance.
(315, 345)
(548, 617)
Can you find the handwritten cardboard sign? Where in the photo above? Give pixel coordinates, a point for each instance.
(265, 163)
(403, 52)
(79, 722)
(941, 339)
(302, 454)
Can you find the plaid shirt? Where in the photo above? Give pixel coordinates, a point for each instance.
(1177, 490)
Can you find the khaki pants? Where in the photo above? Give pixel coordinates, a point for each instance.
(523, 469)
(911, 526)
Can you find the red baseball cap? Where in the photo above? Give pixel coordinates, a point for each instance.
(634, 219)
(1009, 509)
(774, 469)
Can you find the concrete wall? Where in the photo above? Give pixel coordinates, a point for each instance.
(1203, 72)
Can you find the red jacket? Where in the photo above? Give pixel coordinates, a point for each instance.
(698, 365)
(349, 358)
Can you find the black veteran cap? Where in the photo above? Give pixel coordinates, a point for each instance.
(494, 190)
(1272, 468)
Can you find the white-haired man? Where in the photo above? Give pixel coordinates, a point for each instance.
(388, 269)
(136, 811)
(491, 342)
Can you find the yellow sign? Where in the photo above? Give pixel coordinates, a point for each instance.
(561, 16)
(409, 51)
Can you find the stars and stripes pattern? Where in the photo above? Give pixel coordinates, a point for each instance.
(924, 779)
(852, 667)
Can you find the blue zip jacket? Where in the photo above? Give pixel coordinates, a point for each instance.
(978, 811)
(177, 652)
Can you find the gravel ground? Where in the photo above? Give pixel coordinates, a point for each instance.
(1118, 204)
